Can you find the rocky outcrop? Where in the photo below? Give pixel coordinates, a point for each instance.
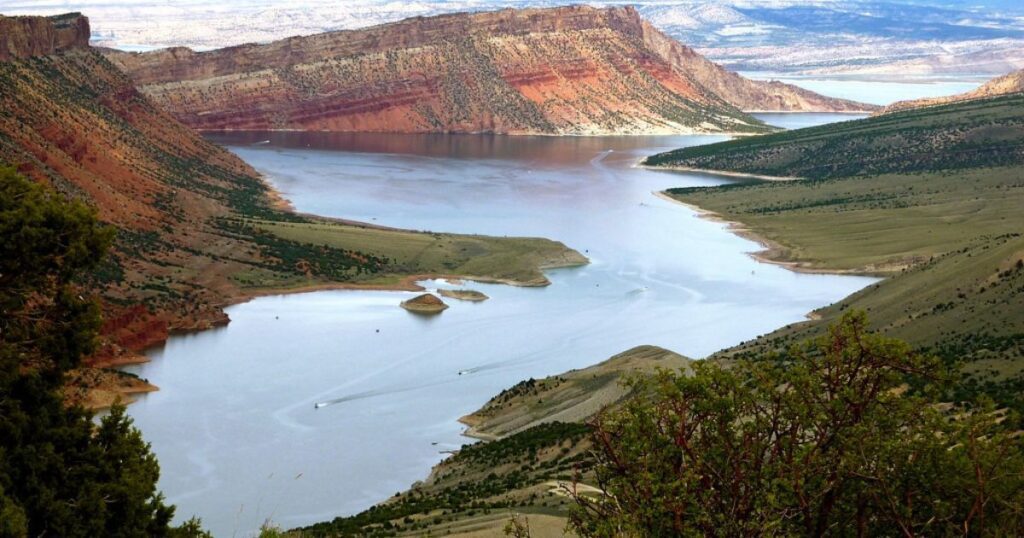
(463, 295)
(571, 70)
(1004, 85)
(424, 304)
(25, 37)
(96, 388)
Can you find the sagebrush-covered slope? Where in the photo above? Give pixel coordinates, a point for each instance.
(930, 198)
(972, 134)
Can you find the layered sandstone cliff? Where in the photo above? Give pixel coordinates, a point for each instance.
(25, 37)
(571, 70)
(1006, 84)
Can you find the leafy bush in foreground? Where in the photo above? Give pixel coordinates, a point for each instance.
(843, 438)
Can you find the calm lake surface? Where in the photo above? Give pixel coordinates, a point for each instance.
(234, 424)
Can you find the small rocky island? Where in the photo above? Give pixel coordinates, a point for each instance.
(427, 303)
(464, 295)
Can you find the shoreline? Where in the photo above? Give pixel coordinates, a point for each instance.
(596, 134)
(713, 172)
(406, 283)
(470, 422)
(770, 249)
(847, 112)
(278, 201)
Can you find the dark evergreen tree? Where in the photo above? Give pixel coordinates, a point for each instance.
(60, 474)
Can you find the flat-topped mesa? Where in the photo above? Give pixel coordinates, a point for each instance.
(26, 37)
(567, 70)
(181, 63)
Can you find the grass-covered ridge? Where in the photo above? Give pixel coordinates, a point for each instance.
(929, 198)
(959, 136)
(539, 441)
(385, 256)
(879, 224)
(572, 396)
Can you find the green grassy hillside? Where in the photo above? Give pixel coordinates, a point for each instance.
(877, 224)
(959, 136)
(403, 253)
(574, 396)
(932, 199)
(966, 306)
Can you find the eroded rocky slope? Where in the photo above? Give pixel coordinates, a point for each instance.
(72, 120)
(572, 70)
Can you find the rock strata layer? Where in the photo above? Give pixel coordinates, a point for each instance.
(72, 120)
(26, 37)
(570, 70)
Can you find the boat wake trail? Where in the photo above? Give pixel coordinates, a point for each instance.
(597, 163)
(351, 397)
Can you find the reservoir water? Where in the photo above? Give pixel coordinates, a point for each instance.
(234, 424)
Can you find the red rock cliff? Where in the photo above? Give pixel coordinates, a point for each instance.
(568, 70)
(24, 37)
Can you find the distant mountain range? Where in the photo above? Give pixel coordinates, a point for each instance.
(572, 70)
(810, 36)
